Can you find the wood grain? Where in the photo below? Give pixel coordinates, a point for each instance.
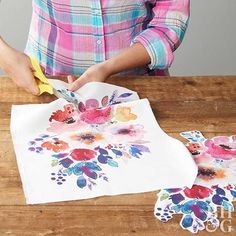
(179, 104)
(89, 220)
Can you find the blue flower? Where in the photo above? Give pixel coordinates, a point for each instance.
(196, 207)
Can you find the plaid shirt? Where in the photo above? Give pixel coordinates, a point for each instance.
(69, 36)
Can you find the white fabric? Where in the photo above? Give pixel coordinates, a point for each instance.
(164, 162)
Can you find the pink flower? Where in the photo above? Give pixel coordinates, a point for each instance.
(203, 158)
(221, 147)
(198, 151)
(127, 132)
(57, 127)
(96, 116)
(89, 104)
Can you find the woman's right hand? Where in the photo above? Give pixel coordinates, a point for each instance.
(17, 66)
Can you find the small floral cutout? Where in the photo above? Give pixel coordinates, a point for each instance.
(198, 205)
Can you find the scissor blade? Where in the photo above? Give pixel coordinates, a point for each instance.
(69, 96)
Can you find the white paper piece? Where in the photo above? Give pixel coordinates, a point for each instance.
(67, 152)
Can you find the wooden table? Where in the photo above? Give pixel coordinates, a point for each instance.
(207, 104)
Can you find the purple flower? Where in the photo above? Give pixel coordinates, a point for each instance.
(38, 139)
(66, 162)
(32, 149)
(32, 143)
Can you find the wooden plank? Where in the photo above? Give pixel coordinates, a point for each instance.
(85, 220)
(181, 88)
(11, 193)
(156, 88)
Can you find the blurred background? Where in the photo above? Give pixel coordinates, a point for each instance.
(209, 47)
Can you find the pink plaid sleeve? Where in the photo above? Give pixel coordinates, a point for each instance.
(165, 31)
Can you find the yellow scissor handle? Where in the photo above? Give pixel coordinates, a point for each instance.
(42, 81)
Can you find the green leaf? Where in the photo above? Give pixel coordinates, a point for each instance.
(54, 163)
(164, 196)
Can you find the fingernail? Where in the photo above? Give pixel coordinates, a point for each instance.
(70, 79)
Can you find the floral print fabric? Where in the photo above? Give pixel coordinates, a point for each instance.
(97, 143)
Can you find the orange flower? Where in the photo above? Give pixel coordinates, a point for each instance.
(55, 145)
(209, 173)
(220, 174)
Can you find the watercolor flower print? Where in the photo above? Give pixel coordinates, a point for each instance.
(215, 157)
(215, 185)
(83, 139)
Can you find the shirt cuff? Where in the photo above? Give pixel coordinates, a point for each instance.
(157, 47)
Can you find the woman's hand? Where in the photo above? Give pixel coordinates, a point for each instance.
(18, 67)
(99, 72)
(129, 58)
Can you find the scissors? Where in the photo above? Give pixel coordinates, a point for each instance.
(46, 87)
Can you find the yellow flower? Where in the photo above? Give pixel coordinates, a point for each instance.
(124, 114)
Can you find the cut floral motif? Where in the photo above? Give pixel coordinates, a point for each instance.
(198, 205)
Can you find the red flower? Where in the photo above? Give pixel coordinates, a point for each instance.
(65, 115)
(197, 191)
(83, 154)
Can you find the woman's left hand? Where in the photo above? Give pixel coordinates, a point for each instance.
(129, 58)
(99, 72)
